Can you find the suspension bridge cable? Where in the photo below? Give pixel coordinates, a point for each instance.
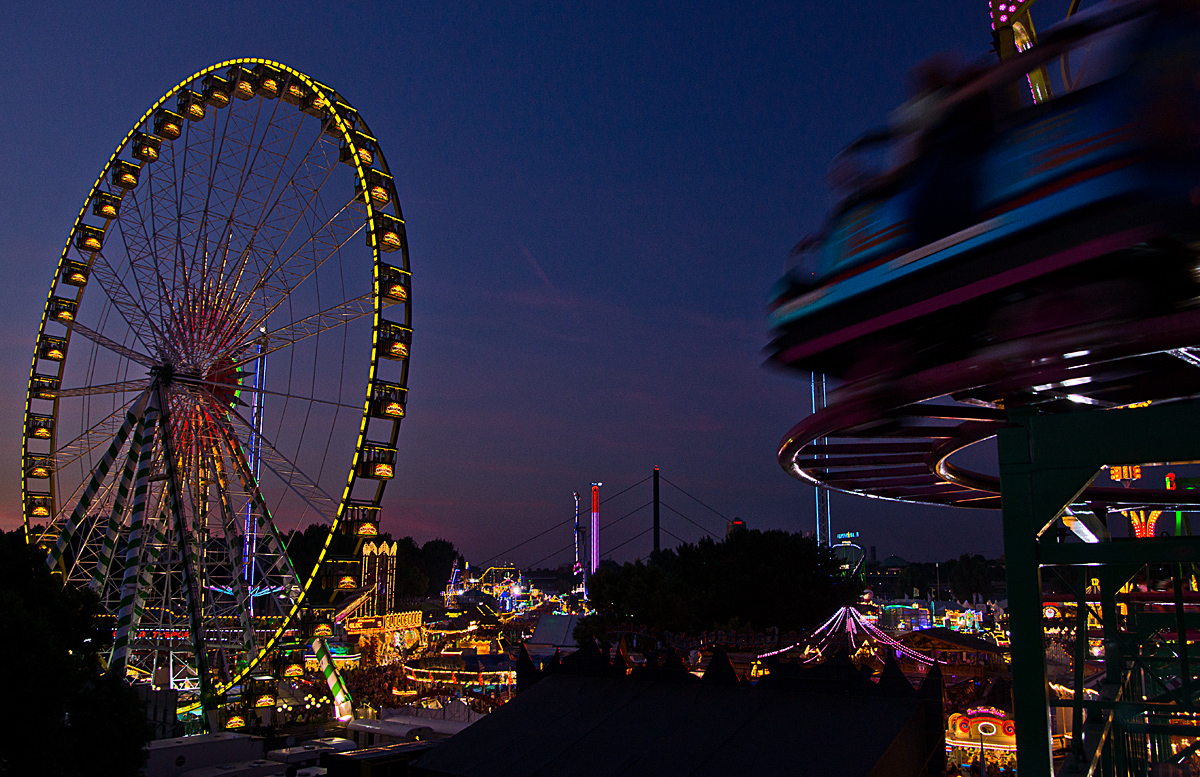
(605, 526)
(689, 520)
(552, 555)
(667, 531)
(531, 539)
(626, 515)
(631, 539)
(692, 497)
(635, 485)
(563, 523)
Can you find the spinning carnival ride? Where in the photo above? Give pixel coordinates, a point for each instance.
(1040, 252)
(242, 346)
(1029, 270)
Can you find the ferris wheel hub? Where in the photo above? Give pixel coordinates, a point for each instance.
(163, 374)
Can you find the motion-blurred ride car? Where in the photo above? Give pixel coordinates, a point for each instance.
(1054, 191)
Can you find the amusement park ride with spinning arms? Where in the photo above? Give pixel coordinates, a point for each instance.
(1021, 261)
(247, 220)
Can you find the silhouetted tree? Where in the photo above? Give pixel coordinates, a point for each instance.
(971, 575)
(435, 562)
(912, 578)
(421, 570)
(63, 715)
(754, 579)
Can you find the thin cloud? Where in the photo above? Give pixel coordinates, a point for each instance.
(537, 268)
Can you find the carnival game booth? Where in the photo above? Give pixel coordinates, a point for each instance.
(982, 732)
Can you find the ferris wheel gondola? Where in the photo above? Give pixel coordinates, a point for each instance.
(237, 370)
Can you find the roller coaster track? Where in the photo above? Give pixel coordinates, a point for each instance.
(894, 437)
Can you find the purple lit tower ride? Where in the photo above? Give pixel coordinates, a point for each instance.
(594, 561)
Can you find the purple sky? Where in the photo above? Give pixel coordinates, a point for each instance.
(598, 200)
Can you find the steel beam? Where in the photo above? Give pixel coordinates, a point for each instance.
(1046, 463)
(1152, 550)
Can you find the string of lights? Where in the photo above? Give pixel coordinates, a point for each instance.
(851, 623)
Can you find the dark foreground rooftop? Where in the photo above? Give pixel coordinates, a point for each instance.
(652, 724)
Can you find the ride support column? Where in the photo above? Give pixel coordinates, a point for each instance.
(1034, 495)
(1046, 462)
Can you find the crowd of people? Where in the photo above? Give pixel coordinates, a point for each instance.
(372, 685)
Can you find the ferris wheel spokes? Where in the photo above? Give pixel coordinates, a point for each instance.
(262, 392)
(122, 299)
(288, 472)
(283, 279)
(310, 326)
(121, 387)
(235, 316)
(102, 431)
(115, 347)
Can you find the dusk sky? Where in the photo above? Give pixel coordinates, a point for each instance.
(598, 199)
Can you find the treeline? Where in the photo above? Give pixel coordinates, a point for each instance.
(753, 580)
(963, 578)
(421, 570)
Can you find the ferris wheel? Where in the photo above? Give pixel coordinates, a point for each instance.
(236, 370)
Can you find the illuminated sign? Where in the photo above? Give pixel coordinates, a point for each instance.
(160, 634)
(1142, 521)
(265, 701)
(294, 670)
(346, 581)
(967, 727)
(1125, 473)
(237, 721)
(323, 630)
(848, 535)
(1051, 612)
(383, 470)
(368, 529)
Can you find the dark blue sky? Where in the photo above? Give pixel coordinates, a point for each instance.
(598, 198)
